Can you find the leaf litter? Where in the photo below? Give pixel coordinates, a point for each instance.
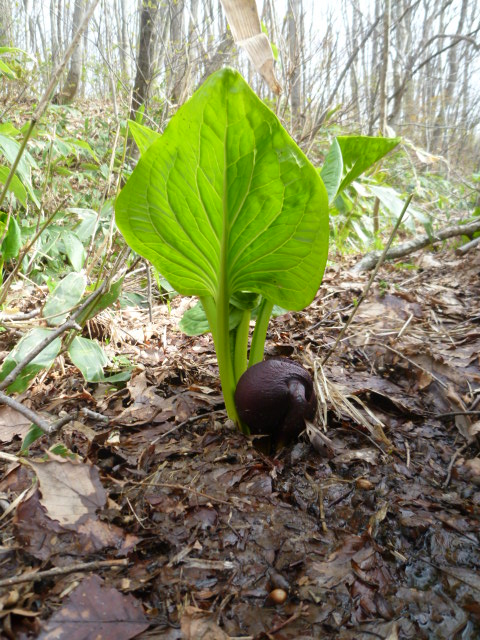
(368, 527)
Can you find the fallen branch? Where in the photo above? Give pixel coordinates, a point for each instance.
(405, 248)
(35, 576)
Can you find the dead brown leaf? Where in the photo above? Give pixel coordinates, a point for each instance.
(93, 610)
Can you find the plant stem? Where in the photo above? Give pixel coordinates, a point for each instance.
(241, 345)
(260, 332)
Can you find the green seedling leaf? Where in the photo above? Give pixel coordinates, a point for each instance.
(103, 302)
(225, 201)
(66, 295)
(194, 321)
(88, 218)
(10, 148)
(82, 144)
(143, 136)
(7, 129)
(332, 170)
(16, 187)
(360, 153)
(89, 357)
(34, 433)
(22, 349)
(12, 241)
(75, 250)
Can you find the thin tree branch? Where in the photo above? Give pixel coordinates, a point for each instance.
(370, 282)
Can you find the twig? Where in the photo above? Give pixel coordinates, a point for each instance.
(281, 625)
(33, 576)
(66, 326)
(187, 421)
(94, 415)
(452, 414)
(414, 364)
(452, 462)
(6, 284)
(181, 487)
(370, 282)
(25, 411)
(149, 292)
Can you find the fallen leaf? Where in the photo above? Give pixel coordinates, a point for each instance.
(93, 611)
(196, 625)
(71, 491)
(12, 424)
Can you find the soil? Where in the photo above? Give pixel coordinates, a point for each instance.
(367, 527)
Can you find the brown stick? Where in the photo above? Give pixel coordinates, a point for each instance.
(33, 576)
(405, 248)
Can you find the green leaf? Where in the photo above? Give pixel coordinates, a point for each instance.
(22, 349)
(75, 250)
(194, 321)
(5, 70)
(16, 186)
(88, 222)
(33, 434)
(64, 298)
(143, 136)
(10, 148)
(13, 239)
(393, 202)
(359, 153)
(332, 170)
(103, 301)
(225, 201)
(89, 357)
(82, 144)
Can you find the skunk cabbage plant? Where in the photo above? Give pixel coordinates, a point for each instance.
(228, 208)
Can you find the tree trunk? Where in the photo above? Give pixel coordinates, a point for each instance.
(293, 18)
(143, 76)
(70, 88)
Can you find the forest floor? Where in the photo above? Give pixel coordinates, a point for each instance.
(371, 532)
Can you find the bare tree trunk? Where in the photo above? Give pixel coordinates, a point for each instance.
(70, 88)
(179, 63)
(143, 77)
(5, 22)
(293, 26)
(383, 94)
(53, 32)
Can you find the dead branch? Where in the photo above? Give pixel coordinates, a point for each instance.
(410, 246)
(35, 576)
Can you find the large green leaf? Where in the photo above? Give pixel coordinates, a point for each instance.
(225, 201)
(64, 298)
(359, 153)
(21, 350)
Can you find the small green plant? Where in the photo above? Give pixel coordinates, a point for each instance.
(227, 207)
